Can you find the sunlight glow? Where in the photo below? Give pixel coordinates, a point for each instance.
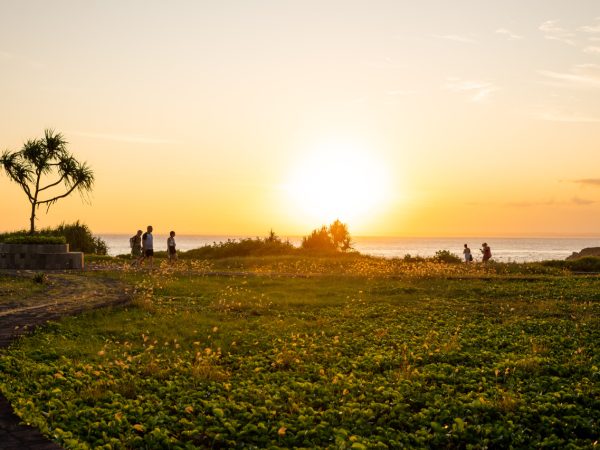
(338, 180)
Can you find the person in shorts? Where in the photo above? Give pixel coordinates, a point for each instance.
(148, 246)
(467, 253)
(171, 250)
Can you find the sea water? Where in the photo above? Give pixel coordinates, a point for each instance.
(522, 249)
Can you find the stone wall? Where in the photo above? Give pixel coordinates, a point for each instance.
(39, 256)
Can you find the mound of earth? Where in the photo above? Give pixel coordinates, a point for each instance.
(589, 251)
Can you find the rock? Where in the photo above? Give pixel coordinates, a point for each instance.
(589, 251)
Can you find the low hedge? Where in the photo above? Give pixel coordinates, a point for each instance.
(35, 239)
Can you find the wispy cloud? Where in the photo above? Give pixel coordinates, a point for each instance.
(509, 34)
(477, 91)
(583, 37)
(592, 50)
(565, 117)
(595, 182)
(400, 92)
(573, 201)
(129, 138)
(582, 75)
(582, 201)
(553, 31)
(527, 204)
(456, 38)
(592, 29)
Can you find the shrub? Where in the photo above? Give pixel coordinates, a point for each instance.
(329, 240)
(77, 235)
(319, 240)
(35, 239)
(586, 264)
(270, 246)
(446, 256)
(412, 259)
(80, 238)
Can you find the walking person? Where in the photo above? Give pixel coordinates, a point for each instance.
(467, 253)
(171, 250)
(487, 252)
(135, 242)
(148, 246)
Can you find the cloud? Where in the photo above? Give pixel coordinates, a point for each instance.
(129, 138)
(553, 31)
(591, 29)
(574, 201)
(582, 75)
(401, 92)
(527, 204)
(559, 116)
(595, 182)
(582, 38)
(592, 50)
(511, 36)
(456, 38)
(582, 201)
(478, 91)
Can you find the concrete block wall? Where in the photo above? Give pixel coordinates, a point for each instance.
(39, 256)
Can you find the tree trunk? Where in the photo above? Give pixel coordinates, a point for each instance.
(32, 219)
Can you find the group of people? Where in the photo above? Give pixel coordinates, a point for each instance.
(142, 247)
(485, 250)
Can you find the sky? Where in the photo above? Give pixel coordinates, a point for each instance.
(400, 118)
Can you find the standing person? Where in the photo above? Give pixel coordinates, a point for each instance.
(136, 248)
(487, 252)
(171, 250)
(148, 246)
(467, 253)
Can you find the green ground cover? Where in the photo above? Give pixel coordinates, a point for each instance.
(362, 354)
(16, 292)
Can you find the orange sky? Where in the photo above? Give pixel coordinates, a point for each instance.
(429, 118)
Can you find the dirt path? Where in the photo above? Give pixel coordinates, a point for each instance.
(67, 294)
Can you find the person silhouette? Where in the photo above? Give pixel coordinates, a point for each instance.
(467, 254)
(487, 252)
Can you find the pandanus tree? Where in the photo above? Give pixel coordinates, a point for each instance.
(46, 172)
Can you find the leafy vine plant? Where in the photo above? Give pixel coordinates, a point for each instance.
(44, 166)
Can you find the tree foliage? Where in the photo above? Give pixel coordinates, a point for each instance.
(42, 167)
(334, 238)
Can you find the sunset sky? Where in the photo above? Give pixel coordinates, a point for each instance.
(402, 118)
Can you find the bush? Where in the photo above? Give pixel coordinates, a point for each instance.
(270, 246)
(35, 239)
(329, 240)
(446, 256)
(412, 259)
(586, 264)
(77, 235)
(319, 240)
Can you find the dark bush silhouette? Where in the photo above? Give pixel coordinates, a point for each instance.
(446, 256)
(271, 245)
(329, 240)
(77, 235)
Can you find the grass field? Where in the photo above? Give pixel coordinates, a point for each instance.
(308, 352)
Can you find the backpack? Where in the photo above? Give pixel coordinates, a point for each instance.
(131, 241)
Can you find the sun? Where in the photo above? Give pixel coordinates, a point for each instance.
(338, 180)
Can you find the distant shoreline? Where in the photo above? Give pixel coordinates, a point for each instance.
(504, 249)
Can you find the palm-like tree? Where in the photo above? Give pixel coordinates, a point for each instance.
(44, 164)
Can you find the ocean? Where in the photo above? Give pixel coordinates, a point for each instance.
(525, 249)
